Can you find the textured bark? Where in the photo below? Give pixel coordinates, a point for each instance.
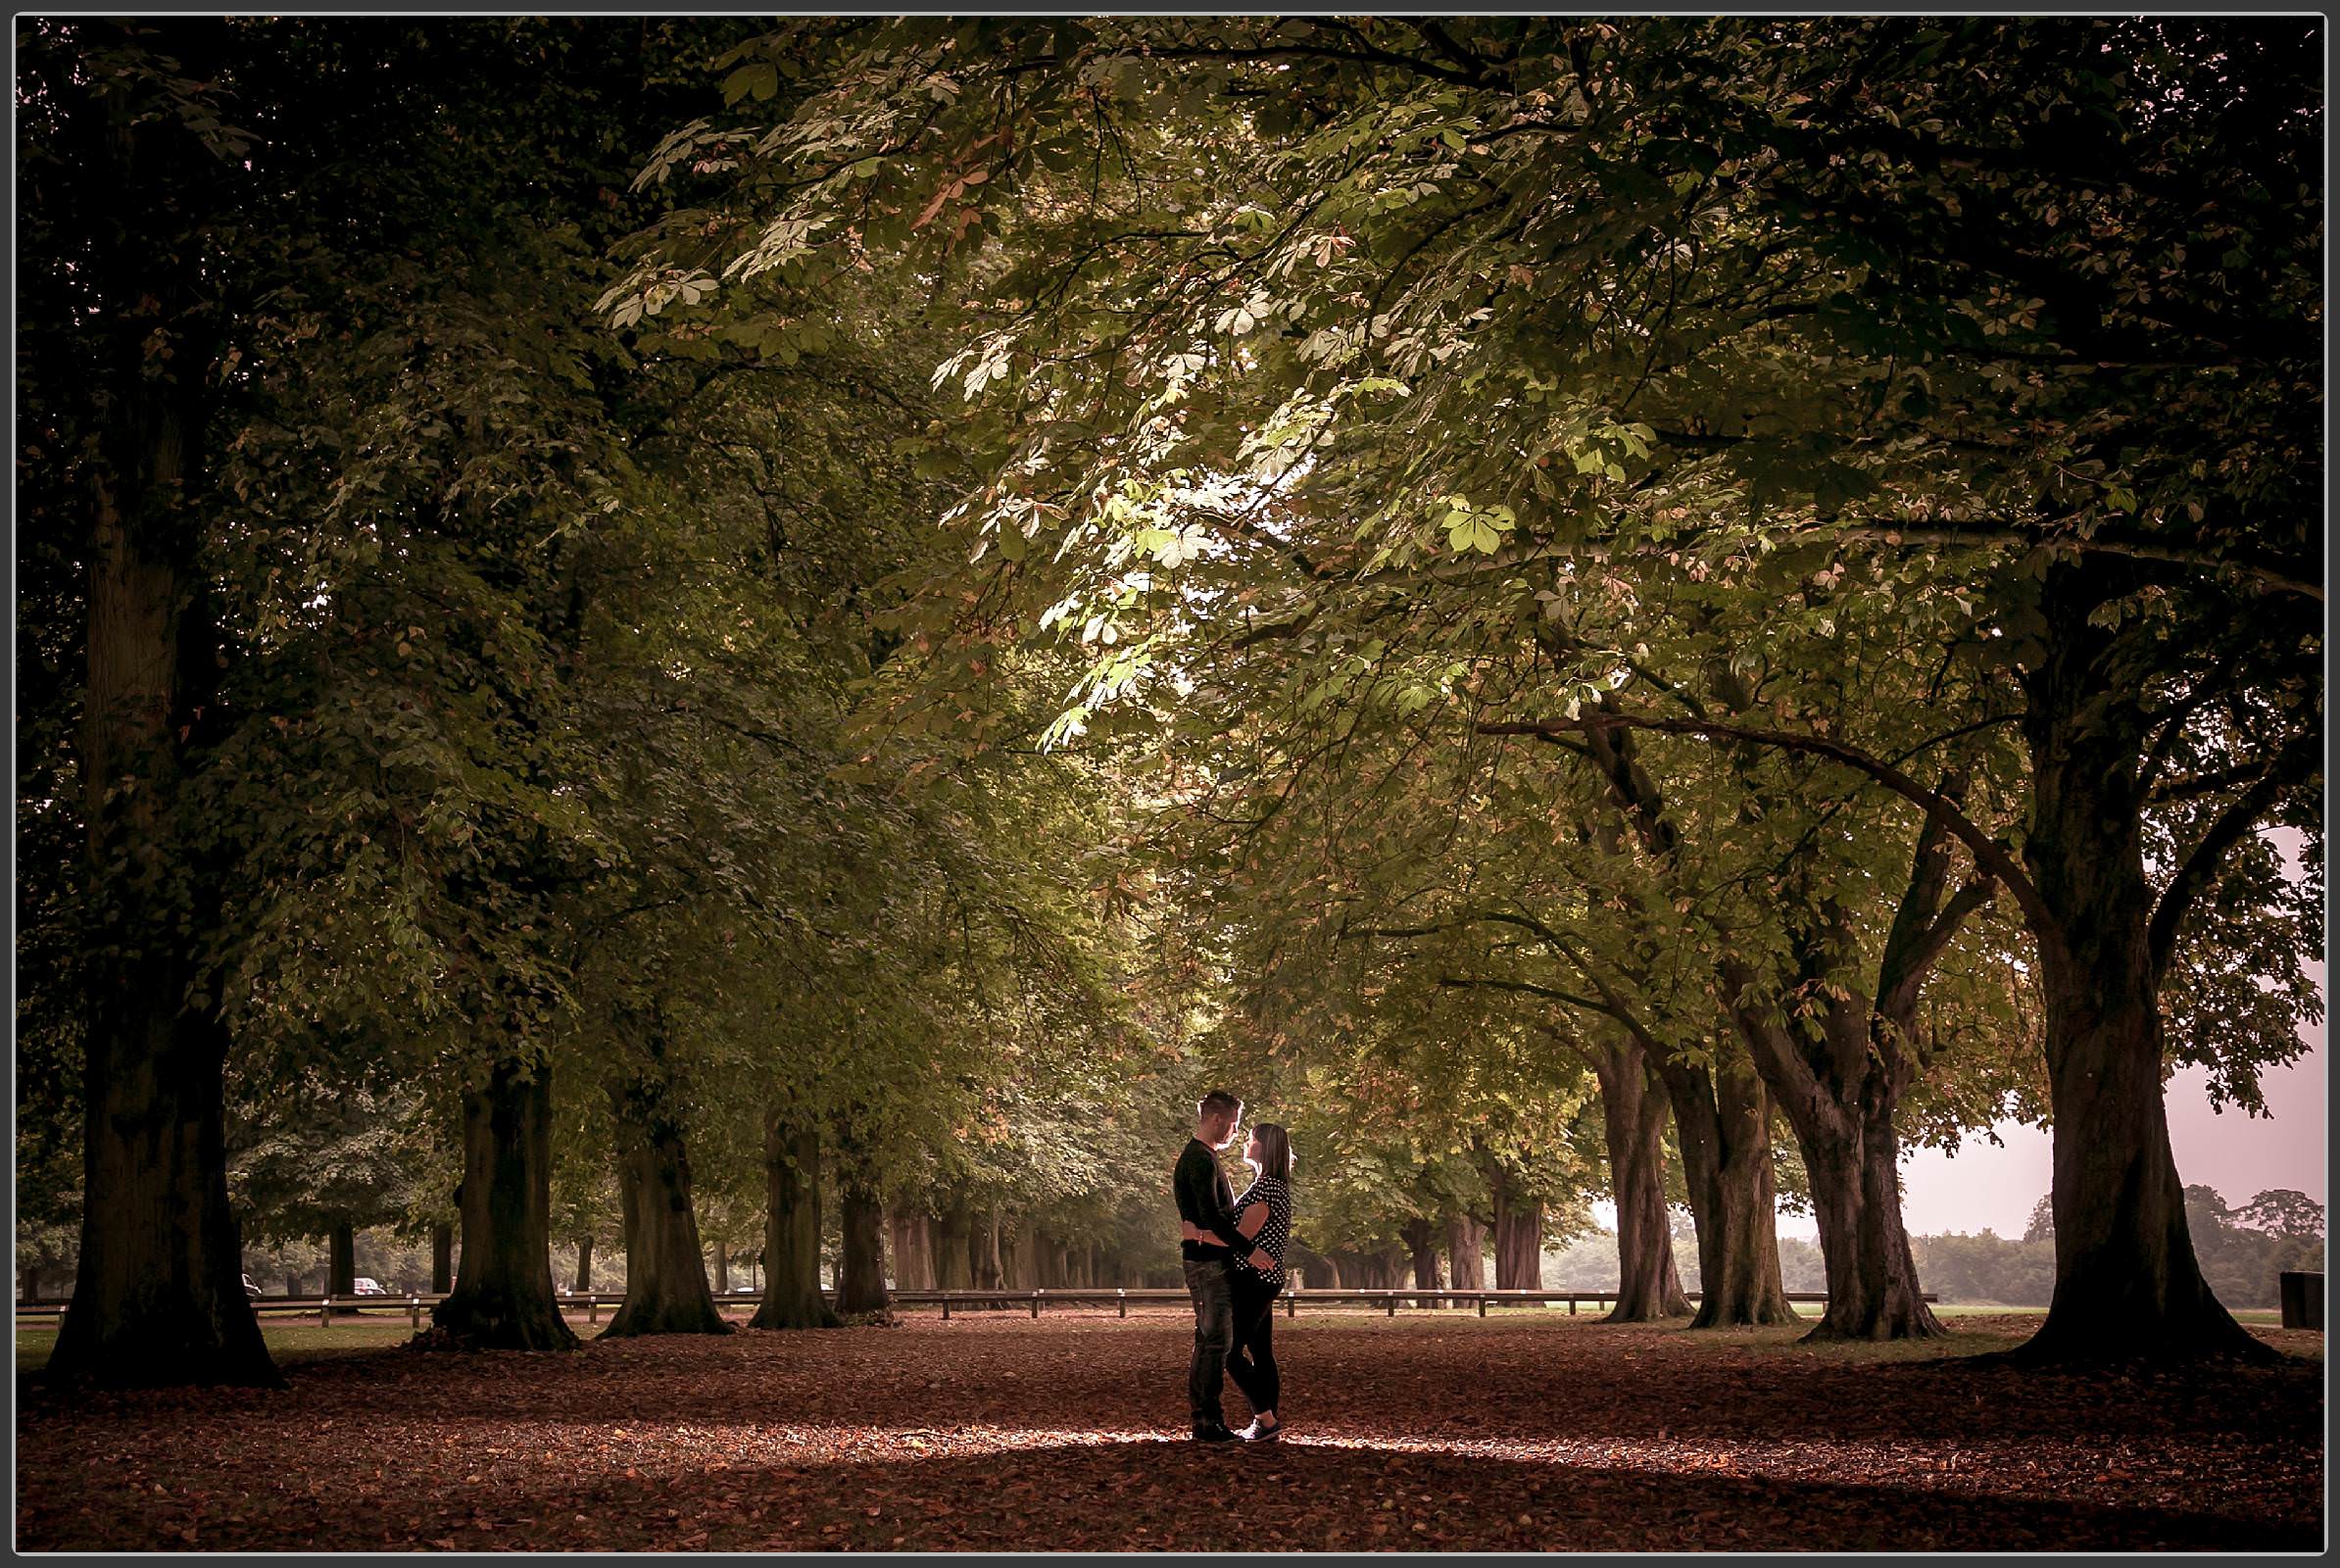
(862, 1261)
(1466, 1252)
(442, 1258)
(989, 1271)
(1722, 1117)
(1317, 1272)
(955, 1252)
(723, 1269)
(157, 1296)
(1722, 1121)
(1519, 1247)
(503, 1297)
(2128, 1284)
(665, 1282)
(1634, 1114)
(914, 1251)
(1840, 1083)
(1421, 1240)
(986, 1263)
(341, 1263)
(1518, 1228)
(584, 1264)
(792, 1294)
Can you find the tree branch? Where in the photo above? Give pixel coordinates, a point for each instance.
(1568, 996)
(1989, 854)
(2294, 762)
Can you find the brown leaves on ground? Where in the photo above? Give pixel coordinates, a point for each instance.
(1428, 1431)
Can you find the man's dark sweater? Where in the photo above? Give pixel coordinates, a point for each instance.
(1204, 1200)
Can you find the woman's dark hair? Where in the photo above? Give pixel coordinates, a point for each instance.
(1275, 1148)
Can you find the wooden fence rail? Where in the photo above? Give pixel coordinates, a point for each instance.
(1388, 1299)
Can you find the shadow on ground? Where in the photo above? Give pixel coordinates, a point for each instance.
(1067, 1435)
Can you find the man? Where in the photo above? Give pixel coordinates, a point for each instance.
(1208, 1239)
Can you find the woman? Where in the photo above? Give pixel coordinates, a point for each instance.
(1263, 1215)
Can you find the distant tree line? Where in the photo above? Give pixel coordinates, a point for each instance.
(2242, 1251)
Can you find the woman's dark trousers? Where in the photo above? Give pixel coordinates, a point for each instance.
(1251, 1363)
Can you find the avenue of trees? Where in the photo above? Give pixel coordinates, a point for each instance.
(705, 640)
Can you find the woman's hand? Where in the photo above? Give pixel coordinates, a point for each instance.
(1261, 1261)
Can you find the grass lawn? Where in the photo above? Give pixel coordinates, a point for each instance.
(301, 1339)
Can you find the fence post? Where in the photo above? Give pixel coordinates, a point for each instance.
(1392, 1305)
(1291, 1304)
(1036, 1295)
(1571, 1306)
(324, 1312)
(593, 1309)
(415, 1311)
(1122, 1295)
(1483, 1303)
(946, 1308)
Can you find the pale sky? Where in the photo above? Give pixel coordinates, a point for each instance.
(1983, 1186)
(1986, 1186)
(1992, 1186)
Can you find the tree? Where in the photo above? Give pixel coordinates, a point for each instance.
(129, 177)
(1958, 331)
(2284, 1212)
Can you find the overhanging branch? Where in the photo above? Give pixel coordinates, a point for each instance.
(1989, 854)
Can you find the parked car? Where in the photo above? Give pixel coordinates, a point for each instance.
(366, 1287)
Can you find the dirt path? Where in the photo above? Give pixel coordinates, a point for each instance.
(1004, 1433)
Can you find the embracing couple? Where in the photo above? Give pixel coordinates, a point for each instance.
(1234, 1252)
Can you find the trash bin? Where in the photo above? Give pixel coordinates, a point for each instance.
(2303, 1300)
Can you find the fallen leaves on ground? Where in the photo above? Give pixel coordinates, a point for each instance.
(1429, 1432)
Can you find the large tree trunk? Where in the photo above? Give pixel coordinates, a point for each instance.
(665, 1282)
(1724, 1123)
(792, 1295)
(1466, 1252)
(861, 1263)
(2128, 1284)
(1519, 1247)
(503, 1297)
(1519, 1230)
(1856, 1198)
(1421, 1240)
(986, 1263)
(341, 1263)
(1838, 1061)
(954, 1252)
(442, 1258)
(1722, 1117)
(584, 1285)
(1633, 1113)
(913, 1255)
(157, 1296)
(1843, 1120)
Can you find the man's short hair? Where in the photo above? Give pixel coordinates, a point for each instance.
(1218, 1102)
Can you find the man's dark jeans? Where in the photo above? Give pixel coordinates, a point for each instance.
(1214, 1335)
